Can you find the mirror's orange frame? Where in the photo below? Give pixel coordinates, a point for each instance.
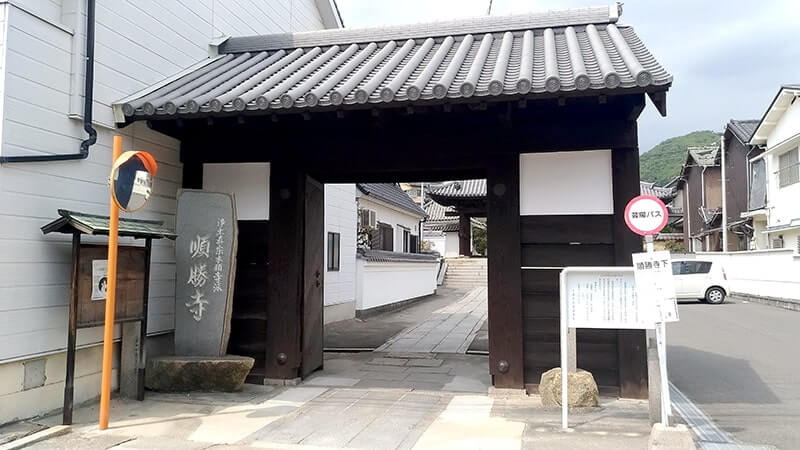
(149, 164)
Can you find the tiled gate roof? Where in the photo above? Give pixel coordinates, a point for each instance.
(528, 55)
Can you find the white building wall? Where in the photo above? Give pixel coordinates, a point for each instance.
(341, 217)
(764, 273)
(451, 244)
(394, 217)
(783, 205)
(41, 55)
(383, 283)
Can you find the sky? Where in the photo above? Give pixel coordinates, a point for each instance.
(727, 57)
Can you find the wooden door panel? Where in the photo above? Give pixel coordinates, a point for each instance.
(313, 281)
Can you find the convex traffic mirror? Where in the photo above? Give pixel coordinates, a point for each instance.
(132, 178)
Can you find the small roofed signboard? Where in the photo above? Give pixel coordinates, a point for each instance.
(204, 261)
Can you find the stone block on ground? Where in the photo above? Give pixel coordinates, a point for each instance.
(581, 388)
(678, 437)
(197, 373)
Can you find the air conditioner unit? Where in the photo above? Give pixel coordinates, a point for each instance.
(777, 243)
(367, 218)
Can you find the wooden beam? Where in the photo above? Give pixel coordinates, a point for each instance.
(631, 344)
(506, 356)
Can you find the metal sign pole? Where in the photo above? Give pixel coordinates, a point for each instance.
(661, 336)
(564, 353)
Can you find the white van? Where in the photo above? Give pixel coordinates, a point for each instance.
(699, 279)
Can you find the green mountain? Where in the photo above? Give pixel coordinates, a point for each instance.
(663, 162)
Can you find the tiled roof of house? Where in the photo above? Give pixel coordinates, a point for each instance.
(743, 129)
(391, 193)
(532, 55)
(462, 189)
(372, 255)
(663, 193)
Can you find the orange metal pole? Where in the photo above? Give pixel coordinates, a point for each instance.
(111, 291)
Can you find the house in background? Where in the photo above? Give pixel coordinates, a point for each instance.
(778, 132)
(461, 205)
(44, 61)
(390, 270)
(672, 237)
(441, 229)
(738, 228)
(390, 216)
(700, 183)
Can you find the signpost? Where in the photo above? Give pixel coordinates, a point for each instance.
(131, 183)
(647, 215)
(638, 297)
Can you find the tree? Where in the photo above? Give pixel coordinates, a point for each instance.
(479, 240)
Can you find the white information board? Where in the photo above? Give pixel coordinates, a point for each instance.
(605, 297)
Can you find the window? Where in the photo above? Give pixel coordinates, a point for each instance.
(382, 237)
(788, 168)
(691, 267)
(333, 251)
(406, 240)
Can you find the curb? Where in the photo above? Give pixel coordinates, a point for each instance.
(792, 305)
(677, 437)
(39, 436)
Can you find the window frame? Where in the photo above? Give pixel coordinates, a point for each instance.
(334, 263)
(789, 172)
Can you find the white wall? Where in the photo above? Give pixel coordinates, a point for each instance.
(138, 43)
(341, 217)
(383, 283)
(574, 183)
(451, 244)
(394, 217)
(248, 182)
(768, 273)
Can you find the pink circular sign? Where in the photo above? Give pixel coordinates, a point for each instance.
(646, 215)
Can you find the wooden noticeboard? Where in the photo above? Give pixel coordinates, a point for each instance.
(131, 272)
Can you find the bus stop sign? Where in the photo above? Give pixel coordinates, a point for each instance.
(646, 215)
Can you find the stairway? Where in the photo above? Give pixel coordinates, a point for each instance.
(465, 273)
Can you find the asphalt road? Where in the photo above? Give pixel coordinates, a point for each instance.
(740, 364)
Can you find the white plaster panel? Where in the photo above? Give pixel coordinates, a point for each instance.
(248, 182)
(566, 183)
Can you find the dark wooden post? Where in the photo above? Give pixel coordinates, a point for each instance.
(69, 378)
(631, 344)
(148, 250)
(506, 357)
(464, 235)
(285, 274)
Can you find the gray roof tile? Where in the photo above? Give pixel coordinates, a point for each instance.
(391, 193)
(462, 189)
(743, 129)
(533, 55)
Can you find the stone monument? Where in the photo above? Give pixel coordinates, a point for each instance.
(205, 260)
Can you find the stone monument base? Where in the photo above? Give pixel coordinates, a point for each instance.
(197, 373)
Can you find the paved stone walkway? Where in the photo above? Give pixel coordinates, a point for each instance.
(448, 330)
(358, 402)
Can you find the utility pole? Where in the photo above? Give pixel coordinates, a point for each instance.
(489, 11)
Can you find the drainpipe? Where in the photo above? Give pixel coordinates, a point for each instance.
(724, 196)
(88, 99)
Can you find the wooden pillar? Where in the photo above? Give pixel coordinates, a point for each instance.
(506, 357)
(464, 235)
(285, 274)
(631, 344)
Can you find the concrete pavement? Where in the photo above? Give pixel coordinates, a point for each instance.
(739, 363)
(450, 329)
